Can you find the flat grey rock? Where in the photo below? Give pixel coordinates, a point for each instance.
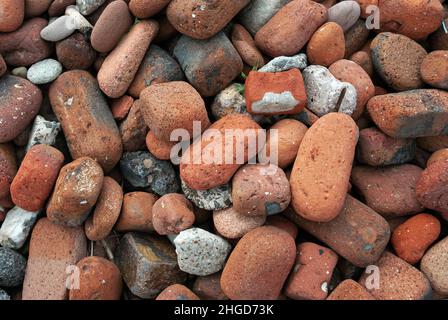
(59, 29)
(284, 63)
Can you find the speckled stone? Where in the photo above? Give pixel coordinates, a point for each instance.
(86, 7)
(141, 169)
(398, 280)
(350, 290)
(284, 63)
(136, 212)
(12, 268)
(232, 225)
(200, 252)
(435, 266)
(324, 92)
(43, 132)
(344, 13)
(148, 264)
(212, 199)
(177, 292)
(16, 227)
(230, 100)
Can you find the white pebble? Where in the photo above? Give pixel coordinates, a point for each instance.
(44, 71)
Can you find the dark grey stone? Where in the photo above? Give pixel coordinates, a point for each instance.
(12, 268)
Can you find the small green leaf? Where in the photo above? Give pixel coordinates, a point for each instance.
(240, 88)
(243, 75)
(137, 21)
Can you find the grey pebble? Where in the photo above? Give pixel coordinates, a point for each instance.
(12, 268)
(211, 199)
(344, 13)
(200, 252)
(86, 7)
(20, 72)
(230, 100)
(4, 295)
(16, 227)
(43, 132)
(82, 24)
(256, 14)
(142, 170)
(59, 29)
(327, 94)
(284, 63)
(44, 71)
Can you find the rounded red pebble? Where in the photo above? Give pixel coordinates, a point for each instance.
(398, 280)
(200, 19)
(270, 93)
(320, 176)
(53, 250)
(86, 119)
(34, 8)
(118, 70)
(12, 13)
(36, 177)
(390, 191)
(311, 273)
(439, 155)
(432, 187)
(76, 192)
(115, 17)
(75, 52)
(161, 149)
(327, 45)
(172, 213)
(412, 238)
(233, 225)
(99, 225)
(351, 72)
(246, 47)
(8, 168)
(136, 212)
(434, 69)
(146, 8)
(99, 279)
(259, 265)
(172, 105)
(283, 223)
(20, 101)
(209, 287)
(208, 172)
(57, 7)
(177, 292)
(133, 129)
(350, 290)
(120, 107)
(279, 36)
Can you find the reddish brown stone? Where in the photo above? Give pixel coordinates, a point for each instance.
(412, 238)
(246, 47)
(283, 223)
(53, 252)
(260, 190)
(11, 14)
(398, 280)
(434, 69)
(321, 172)
(411, 114)
(202, 20)
(161, 149)
(133, 129)
(76, 192)
(439, 155)
(121, 106)
(36, 177)
(349, 71)
(356, 37)
(172, 105)
(377, 149)
(99, 225)
(8, 168)
(364, 60)
(115, 17)
(57, 7)
(311, 273)
(209, 172)
(259, 265)
(172, 213)
(24, 46)
(434, 143)
(177, 292)
(209, 287)
(350, 290)
(432, 187)
(75, 52)
(270, 93)
(20, 101)
(415, 19)
(99, 279)
(85, 117)
(358, 233)
(121, 65)
(327, 45)
(279, 35)
(136, 212)
(233, 225)
(390, 191)
(146, 8)
(34, 8)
